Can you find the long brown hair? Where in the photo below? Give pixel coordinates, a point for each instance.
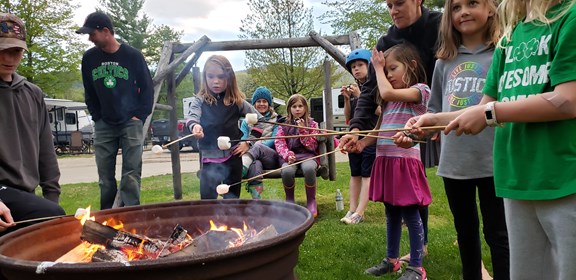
(233, 94)
(291, 101)
(450, 39)
(406, 53)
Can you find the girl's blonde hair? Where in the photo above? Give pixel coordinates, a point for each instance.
(406, 53)
(233, 94)
(511, 12)
(291, 101)
(450, 39)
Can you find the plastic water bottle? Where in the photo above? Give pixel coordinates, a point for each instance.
(339, 200)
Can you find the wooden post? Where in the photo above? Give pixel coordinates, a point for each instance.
(174, 149)
(162, 64)
(162, 73)
(335, 53)
(354, 40)
(196, 79)
(187, 67)
(329, 118)
(328, 95)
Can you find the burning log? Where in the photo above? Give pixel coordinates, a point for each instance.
(209, 241)
(268, 232)
(102, 255)
(110, 237)
(177, 240)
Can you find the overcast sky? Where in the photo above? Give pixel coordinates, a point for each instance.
(218, 20)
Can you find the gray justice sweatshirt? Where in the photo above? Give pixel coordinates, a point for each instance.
(27, 156)
(457, 84)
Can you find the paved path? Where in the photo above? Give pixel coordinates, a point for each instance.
(82, 169)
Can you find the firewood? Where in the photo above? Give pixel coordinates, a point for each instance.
(109, 256)
(110, 237)
(207, 242)
(266, 233)
(176, 241)
(78, 254)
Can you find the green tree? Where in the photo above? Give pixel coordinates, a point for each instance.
(54, 50)
(370, 18)
(284, 71)
(135, 28)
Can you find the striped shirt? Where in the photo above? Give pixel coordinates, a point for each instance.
(395, 115)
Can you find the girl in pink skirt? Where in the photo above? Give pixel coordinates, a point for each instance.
(398, 178)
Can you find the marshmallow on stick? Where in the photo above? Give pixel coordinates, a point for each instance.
(251, 118)
(157, 149)
(222, 189)
(224, 143)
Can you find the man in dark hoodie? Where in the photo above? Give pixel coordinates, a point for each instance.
(27, 156)
(119, 93)
(414, 24)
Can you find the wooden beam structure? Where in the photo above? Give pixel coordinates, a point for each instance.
(335, 53)
(169, 61)
(241, 45)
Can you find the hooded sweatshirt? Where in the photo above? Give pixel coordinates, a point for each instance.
(458, 84)
(423, 34)
(117, 86)
(27, 156)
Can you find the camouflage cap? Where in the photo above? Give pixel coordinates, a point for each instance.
(12, 32)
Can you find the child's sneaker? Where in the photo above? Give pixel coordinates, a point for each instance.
(384, 267)
(413, 273)
(348, 214)
(354, 219)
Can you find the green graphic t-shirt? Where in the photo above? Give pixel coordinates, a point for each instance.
(535, 161)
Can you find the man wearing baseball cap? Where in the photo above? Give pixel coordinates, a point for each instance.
(27, 155)
(119, 93)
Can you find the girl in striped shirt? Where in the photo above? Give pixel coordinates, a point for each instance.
(398, 178)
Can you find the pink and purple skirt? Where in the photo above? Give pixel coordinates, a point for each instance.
(399, 181)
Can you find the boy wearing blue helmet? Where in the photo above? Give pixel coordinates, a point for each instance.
(360, 164)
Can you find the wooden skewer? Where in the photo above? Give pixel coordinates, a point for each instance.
(319, 129)
(284, 167)
(42, 219)
(340, 133)
(178, 140)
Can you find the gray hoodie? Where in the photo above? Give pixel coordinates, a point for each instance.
(27, 156)
(457, 84)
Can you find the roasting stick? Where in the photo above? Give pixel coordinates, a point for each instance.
(319, 129)
(252, 119)
(340, 133)
(158, 149)
(223, 188)
(79, 213)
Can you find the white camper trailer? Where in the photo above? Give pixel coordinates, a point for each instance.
(66, 117)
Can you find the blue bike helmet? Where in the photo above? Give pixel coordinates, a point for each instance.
(357, 54)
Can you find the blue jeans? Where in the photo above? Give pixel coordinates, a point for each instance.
(107, 140)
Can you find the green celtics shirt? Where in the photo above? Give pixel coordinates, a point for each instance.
(535, 161)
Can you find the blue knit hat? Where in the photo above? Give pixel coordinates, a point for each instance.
(262, 93)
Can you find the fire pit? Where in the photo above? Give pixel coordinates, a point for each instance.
(29, 253)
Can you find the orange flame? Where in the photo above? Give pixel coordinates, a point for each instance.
(86, 216)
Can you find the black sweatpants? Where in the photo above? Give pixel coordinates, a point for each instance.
(26, 205)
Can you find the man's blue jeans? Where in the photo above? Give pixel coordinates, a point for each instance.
(107, 140)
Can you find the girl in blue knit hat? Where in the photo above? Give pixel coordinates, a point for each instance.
(262, 155)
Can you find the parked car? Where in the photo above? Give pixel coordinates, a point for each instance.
(161, 134)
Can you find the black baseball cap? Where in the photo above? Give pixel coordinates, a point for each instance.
(96, 21)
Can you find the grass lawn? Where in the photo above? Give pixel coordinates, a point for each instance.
(331, 249)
